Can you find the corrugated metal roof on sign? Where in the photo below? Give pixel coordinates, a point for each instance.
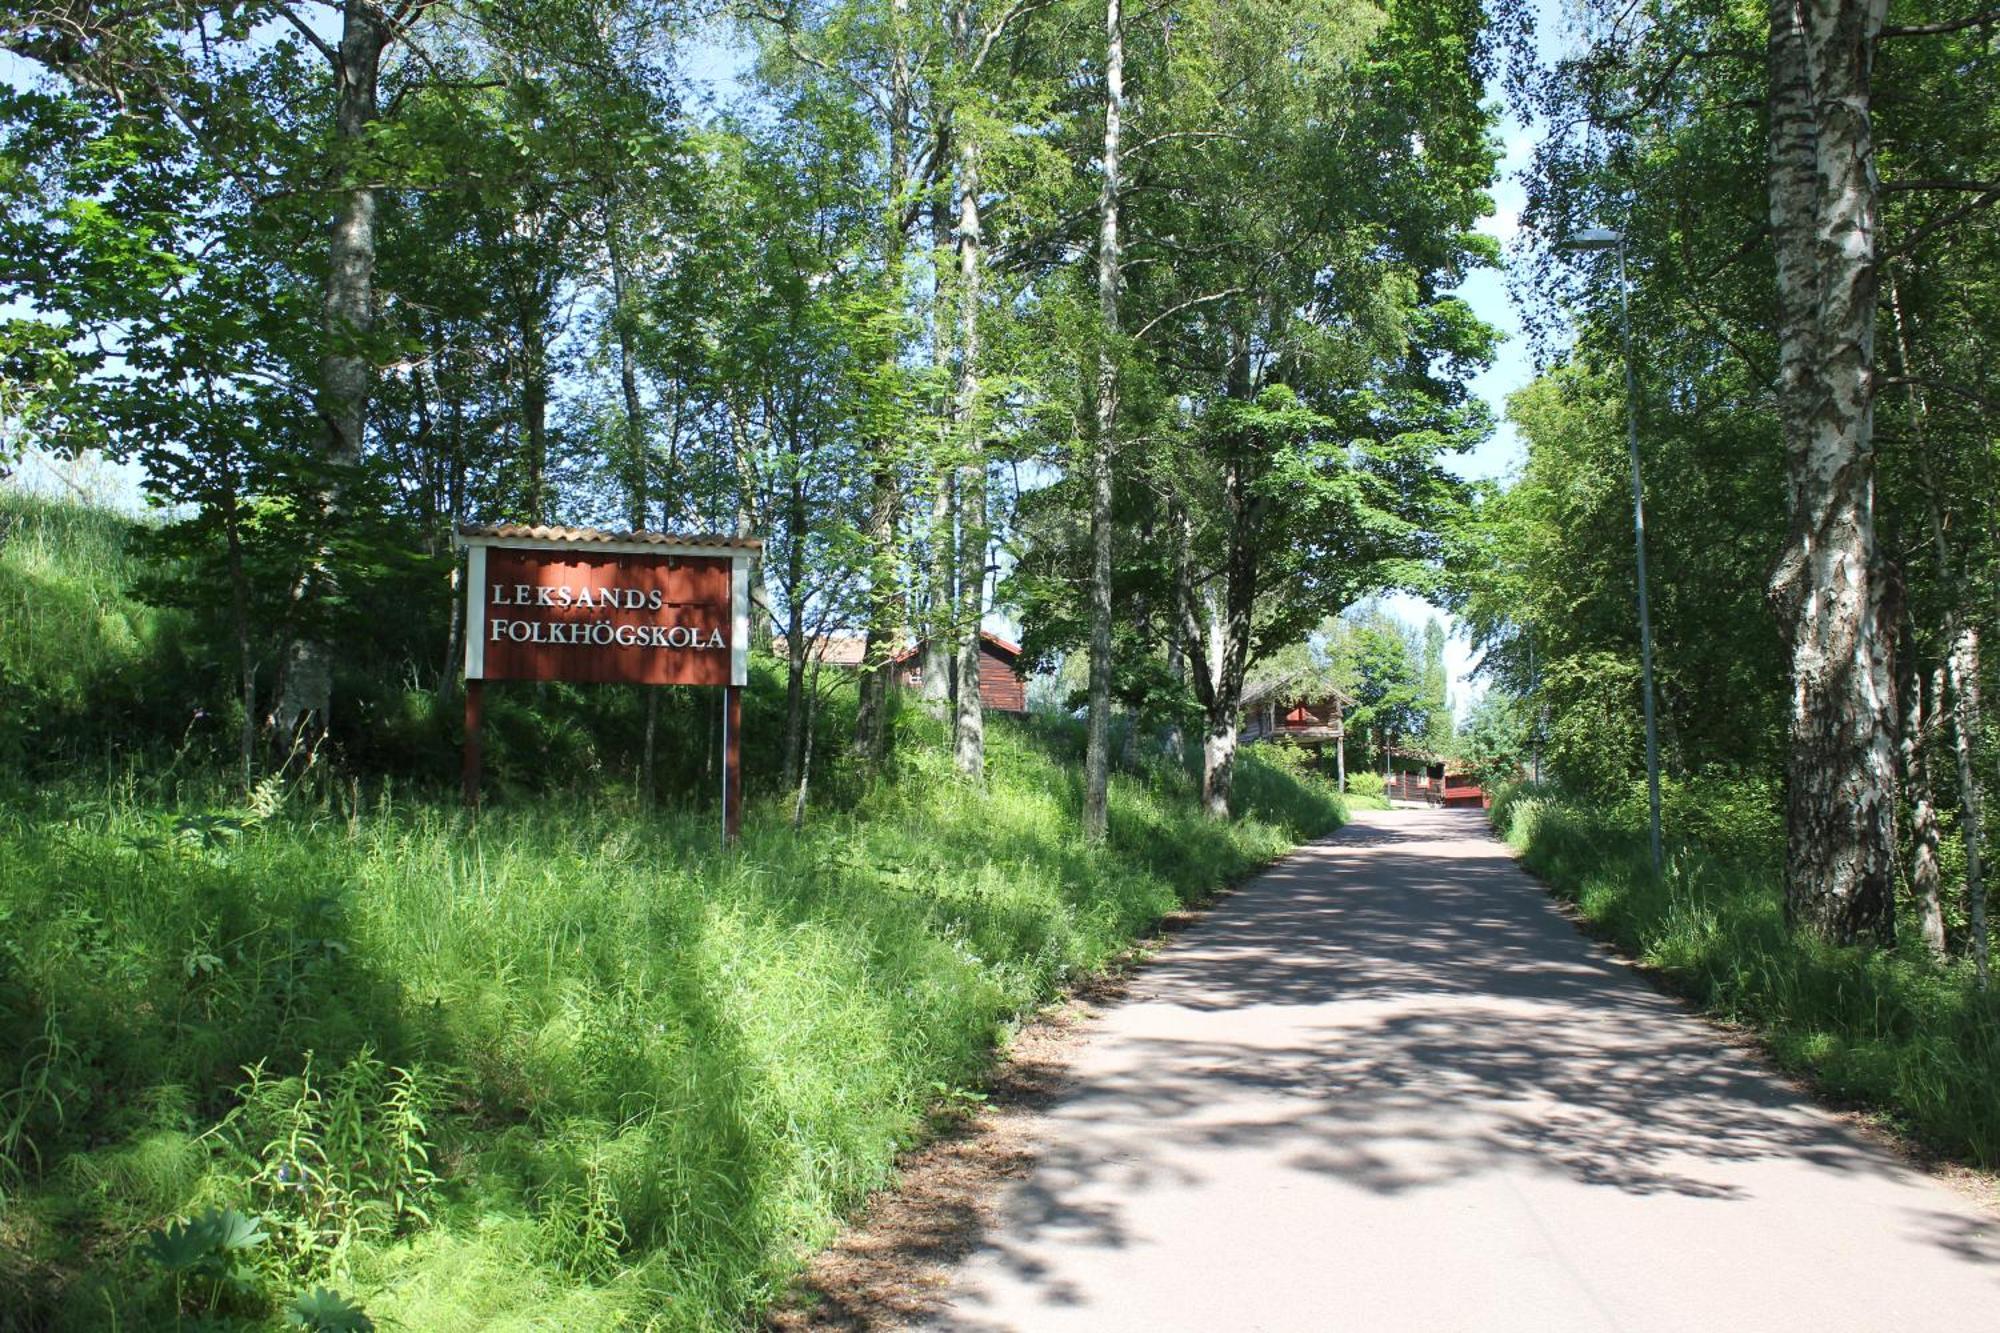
(549, 532)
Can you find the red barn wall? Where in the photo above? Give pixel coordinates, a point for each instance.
(999, 688)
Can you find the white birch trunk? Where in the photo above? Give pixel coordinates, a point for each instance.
(1826, 585)
(969, 730)
(1963, 668)
(1097, 753)
(1925, 873)
(936, 661)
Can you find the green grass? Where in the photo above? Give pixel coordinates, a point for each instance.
(75, 646)
(570, 1068)
(1891, 1030)
(573, 1067)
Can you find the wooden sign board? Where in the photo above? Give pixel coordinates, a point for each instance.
(639, 608)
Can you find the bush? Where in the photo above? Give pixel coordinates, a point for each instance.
(1367, 786)
(1892, 1030)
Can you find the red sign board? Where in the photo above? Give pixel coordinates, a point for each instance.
(640, 619)
(640, 608)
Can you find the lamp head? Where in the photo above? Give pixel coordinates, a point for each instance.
(1592, 238)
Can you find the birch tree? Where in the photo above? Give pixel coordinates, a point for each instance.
(1840, 775)
(1103, 442)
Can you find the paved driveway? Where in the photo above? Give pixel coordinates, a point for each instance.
(1386, 1086)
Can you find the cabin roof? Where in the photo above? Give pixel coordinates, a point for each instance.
(1011, 649)
(1293, 687)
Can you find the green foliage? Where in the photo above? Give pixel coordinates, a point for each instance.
(1369, 786)
(1384, 664)
(208, 1259)
(323, 1310)
(1888, 1029)
(570, 1066)
(209, 1244)
(1546, 580)
(1496, 742)
(81, 660)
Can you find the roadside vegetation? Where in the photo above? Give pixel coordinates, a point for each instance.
(330, 1050)
(1895, 1030)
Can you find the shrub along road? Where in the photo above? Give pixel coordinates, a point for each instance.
(1387, 1086)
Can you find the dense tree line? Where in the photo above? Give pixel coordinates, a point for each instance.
(1807, 199)
(1135, 320)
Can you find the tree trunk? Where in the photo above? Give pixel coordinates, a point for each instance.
(937, 664)
(1918, 716)
(347, 316)
(638, 494)
(1961, 660)
(1175, 740)
(761, 617)
(806, 754)
(1826, 584)
(795, 635)
(969, 732)
(1218, 762)
(454, 647)
(239, 615)
(638, 491)
(1097, 751)
(535, 415)
(1963, 667)
(1230, 633)
(884, 498)
(1223, 705)
(454, 638)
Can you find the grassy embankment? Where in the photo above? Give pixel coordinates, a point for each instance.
(1893, 1031)
(570, 1068)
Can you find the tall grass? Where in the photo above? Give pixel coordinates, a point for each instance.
(570, 1067)
(78, 653)
(1890, 1030)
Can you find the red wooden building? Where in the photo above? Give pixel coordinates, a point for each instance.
(1428, 779)
(1001, 689)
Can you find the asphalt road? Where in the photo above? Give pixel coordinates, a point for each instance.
(1386, 1086)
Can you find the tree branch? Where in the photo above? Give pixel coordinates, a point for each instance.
(1144, 144)
(1171, 311)
(1020, 9)
(782, 20)
(305, 31)
(1940, 183)
(1942, 386)
(1947, 25)
(1937, 224)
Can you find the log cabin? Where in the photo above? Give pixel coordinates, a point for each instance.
(1311, 716)
(1001, 689)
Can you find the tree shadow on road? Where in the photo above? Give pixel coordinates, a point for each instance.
(1395, 1011)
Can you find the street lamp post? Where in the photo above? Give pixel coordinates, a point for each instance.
(1603, 238)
